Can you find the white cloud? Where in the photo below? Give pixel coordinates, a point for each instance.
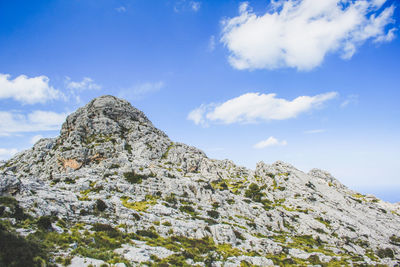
(36, 138)
(140, 90)
(299, 33)
(255, 107)
(271, 141)
(315, 131)
(351, 99)
(195, 6)
(121, 9)
(6, 153)
(197, 115)
(185, 5)
(211, 43)
(27, 90)
(33, 122)
(76, 88)
(86, 84)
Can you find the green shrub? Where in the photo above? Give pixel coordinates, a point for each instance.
(8, 201)
(254, 193)
(84, 212)
(101, 205)
(289, 261)
(327, 223)
(310, 185)
(134, 178)
(252, 225)
(100, 227)
(65, 261)
(44, 223)
(165, 155)
(238, 235)
(173, 260)
(171, 199)
(18, 251)
(187, 209)
(208, 187)
(69, 181)
(395, 240)
(313, 199)
(107, 229)
(128, 147)
(136, 216)
(213, 213)
(230, 201)
(207, 220)
(215, 205)
(149, 233)
(19, 213)
(385, 253)
(114, 166)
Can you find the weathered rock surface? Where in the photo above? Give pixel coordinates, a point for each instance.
(166, 202)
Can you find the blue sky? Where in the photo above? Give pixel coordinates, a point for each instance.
(313, 83)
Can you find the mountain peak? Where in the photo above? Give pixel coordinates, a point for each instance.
(108, 130)
(112, 172)
(103, 115)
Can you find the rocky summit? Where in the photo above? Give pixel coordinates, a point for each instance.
(113, 190)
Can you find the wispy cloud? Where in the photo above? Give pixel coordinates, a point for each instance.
(211, 43)
(195, 5)
(298, 34)
(27, 90)
(184, 5)
(198, 115)
(271, 141)
(256, 107)
(86, 84)
(6, 153)
(75, 88)
(316, 131)
(121, 9)
(140, 90)
(36, 121)
(351, 99)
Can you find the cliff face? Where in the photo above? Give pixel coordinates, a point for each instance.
(113, 188)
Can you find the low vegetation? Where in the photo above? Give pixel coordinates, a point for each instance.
(134, 178)
(19, 251)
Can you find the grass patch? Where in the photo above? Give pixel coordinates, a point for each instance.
(139, 205)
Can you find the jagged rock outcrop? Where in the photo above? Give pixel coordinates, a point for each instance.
(116, 189)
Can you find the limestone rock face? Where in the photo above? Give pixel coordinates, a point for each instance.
(112, 173)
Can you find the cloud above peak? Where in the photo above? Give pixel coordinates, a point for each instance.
(140, 90)
(299, 33)
(87, 83)
(256, 107)
(271, 141)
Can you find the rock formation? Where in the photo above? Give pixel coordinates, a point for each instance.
(114, 189)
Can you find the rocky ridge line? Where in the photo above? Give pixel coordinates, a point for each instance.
(111, 175)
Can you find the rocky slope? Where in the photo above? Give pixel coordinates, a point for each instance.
(113, 189)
